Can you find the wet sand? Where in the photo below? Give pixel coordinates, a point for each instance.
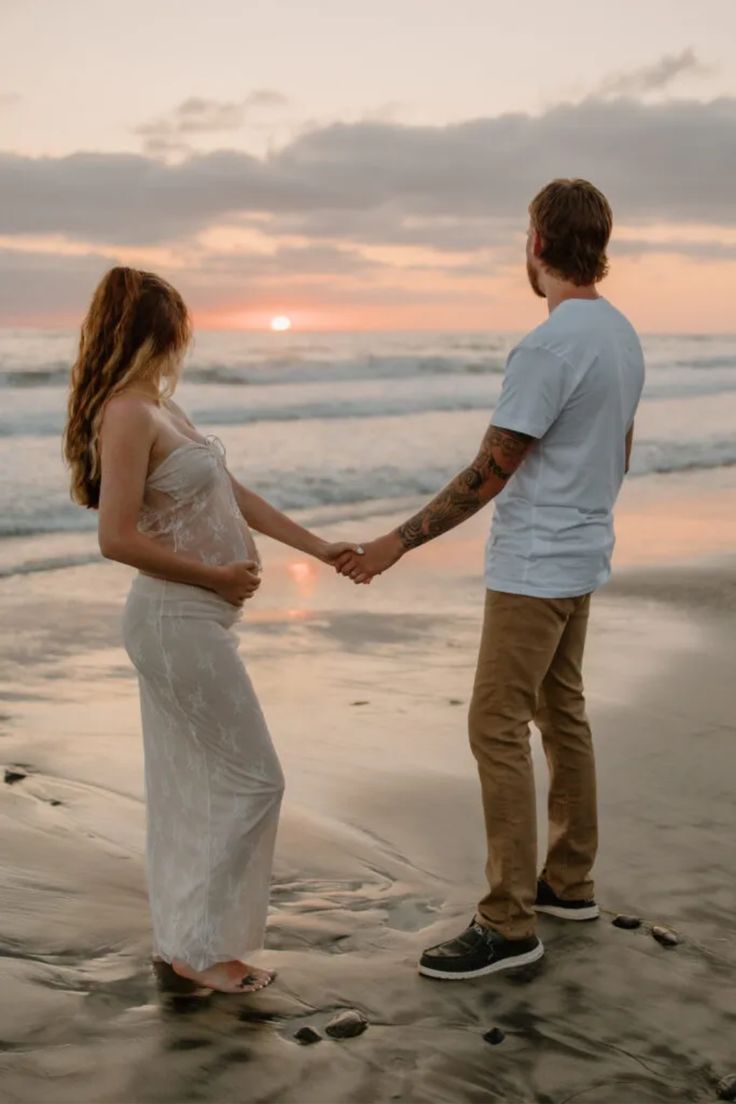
(380, 851)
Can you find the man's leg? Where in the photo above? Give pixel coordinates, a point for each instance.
(521, 636)
(568, 745)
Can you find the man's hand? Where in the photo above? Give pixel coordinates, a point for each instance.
(332, 553)
(377, 557)
(237, 582)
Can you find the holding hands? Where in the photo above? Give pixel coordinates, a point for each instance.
(363, 561)
(239, 581)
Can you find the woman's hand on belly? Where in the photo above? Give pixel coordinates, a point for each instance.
(237, 582)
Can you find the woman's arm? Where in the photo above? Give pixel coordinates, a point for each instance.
(266, 519)
(126, 439)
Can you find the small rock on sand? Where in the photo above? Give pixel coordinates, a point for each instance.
(12, 775)
(626, 922)
(347, 1024)
(307, 1035)
(727, 1087)
(494, 1036)
(360, 703)
(664, 936)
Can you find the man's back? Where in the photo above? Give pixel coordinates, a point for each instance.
(574, 383)
(553, 459)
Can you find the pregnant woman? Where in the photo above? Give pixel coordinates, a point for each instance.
(169, 507)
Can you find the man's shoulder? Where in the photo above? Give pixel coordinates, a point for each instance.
(569, 333)
(545, 340)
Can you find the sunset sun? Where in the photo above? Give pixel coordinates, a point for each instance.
(280, 322)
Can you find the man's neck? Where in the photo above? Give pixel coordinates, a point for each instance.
(557, 291)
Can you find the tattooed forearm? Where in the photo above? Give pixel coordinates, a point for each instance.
(459, 500)
(499, 456)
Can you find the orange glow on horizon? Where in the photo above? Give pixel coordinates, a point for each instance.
(660, 291)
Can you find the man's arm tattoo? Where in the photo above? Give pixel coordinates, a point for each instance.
(500, 454)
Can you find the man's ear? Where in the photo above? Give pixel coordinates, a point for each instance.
(537, 243)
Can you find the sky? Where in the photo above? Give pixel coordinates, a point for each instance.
(363, 165)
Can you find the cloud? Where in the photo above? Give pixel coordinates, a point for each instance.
(35, 282)
(202, 116)
(56, 287)
(697, 250)
(263, 98)
(288, 261)
(162, 147)
(653, 78)
(462, 186)
(32, 278)
(196, 115)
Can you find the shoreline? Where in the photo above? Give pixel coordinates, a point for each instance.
(694, 498)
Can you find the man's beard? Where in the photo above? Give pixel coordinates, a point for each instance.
(534, 280)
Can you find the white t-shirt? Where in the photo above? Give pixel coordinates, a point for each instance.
(574, 383)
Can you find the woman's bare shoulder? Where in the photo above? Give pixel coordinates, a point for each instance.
(129, 411)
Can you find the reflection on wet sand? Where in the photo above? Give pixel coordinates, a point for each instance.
(379, 854)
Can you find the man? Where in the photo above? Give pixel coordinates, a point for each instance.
(554, 457)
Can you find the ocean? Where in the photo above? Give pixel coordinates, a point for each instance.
(336, 425)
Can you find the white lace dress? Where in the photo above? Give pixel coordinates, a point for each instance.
(213, 781)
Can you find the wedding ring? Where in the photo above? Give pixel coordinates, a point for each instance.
(360, 550)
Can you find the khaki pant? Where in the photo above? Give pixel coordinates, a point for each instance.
(529, 668)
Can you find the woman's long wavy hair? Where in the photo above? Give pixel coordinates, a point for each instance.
(136, 331)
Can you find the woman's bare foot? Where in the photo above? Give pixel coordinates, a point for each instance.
(227, 977)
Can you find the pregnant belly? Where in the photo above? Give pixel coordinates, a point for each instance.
(236, 543)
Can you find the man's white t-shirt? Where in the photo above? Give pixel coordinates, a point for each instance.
(574, 383)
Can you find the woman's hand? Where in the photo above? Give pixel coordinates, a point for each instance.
(237, 582)
(342, 551)
(374, 558)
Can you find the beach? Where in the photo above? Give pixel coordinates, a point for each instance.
(381, 846)
(354, 269)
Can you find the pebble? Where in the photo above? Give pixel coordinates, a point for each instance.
(307, 1035)
(55, 801)
(12, 776)
(664, 936)
(494, 1036)
(456, 701)
(360, 703)
(347, 1024)
(626, 922)
(727, 1087)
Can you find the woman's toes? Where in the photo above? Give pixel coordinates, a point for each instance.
(255, 980)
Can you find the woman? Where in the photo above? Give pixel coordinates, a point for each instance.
(169, 507)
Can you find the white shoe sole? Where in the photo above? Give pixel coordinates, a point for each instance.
(591, 913)
(493, 968)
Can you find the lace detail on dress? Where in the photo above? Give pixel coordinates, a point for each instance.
(189, 506)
